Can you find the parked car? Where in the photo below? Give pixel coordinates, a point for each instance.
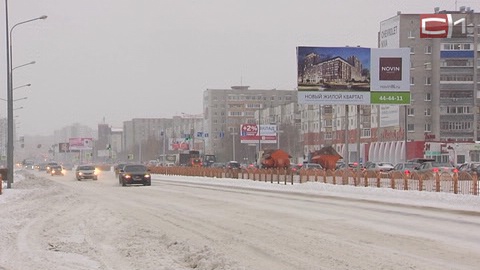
(218, 165)
(306, 167)
(134, 174)
(56, 170)
(296, 168)
(470, 167)
(86, 172)
(406, 167)
(233, 165)
(434, 167)
(380, 166)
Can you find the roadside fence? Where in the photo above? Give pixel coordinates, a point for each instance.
(456, 183)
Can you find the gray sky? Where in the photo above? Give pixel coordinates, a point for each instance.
(124, 59)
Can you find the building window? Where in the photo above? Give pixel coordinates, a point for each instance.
(456, 77)
(328, 135)
(428, 49)
(428, 81)
(457, 46)
(366, 133)
(428, 97)
(411, 128)
(427, 112)
(411, 111)
(412, 50)
(411, 34)
(428, 127)
(328, 122)
(327, 109)
(412, 81)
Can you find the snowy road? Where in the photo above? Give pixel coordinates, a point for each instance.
(60, 223)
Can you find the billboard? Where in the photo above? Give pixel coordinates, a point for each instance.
(63, 148)
(390, 33)
(253, 133)
(353, 76)
(80, 143)
(178, 144)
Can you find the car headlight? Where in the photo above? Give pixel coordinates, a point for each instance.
(80, 173)
(96, 172)
(147, 175)
(128, 176)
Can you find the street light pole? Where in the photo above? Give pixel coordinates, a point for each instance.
(233, 135)
(10, 161)
(9, 106)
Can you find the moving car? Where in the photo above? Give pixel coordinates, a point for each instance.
(134, 174)
(86, 172)
(56, 170)
(49, 165)
(117, 168)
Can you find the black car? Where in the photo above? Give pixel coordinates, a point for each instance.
(134, 174)
(233, 165)
(56, 170)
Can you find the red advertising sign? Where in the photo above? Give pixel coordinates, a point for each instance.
(253, 133)
(443, 26)
(175, 144)
(80, 143)
(249, 130)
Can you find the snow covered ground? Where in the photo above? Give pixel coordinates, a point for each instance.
(208, 223)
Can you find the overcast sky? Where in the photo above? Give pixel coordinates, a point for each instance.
(125, 59)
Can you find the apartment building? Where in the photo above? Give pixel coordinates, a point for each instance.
(226, 109)
(444, 77)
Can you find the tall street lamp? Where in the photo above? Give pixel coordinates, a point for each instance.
(10, 162)
(25, 85)
(30, 63)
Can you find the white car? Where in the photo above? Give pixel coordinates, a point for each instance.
(86, 172)
(380, 166)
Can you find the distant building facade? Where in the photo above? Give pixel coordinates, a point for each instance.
(226, 109)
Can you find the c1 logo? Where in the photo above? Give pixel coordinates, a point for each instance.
(443, 26)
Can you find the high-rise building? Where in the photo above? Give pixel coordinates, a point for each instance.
(444, 75)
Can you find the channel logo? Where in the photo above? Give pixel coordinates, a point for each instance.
(443, 26)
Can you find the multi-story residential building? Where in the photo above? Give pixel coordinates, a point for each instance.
(143, 138)
(442, 119)
(226, 109)
(444, 77)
